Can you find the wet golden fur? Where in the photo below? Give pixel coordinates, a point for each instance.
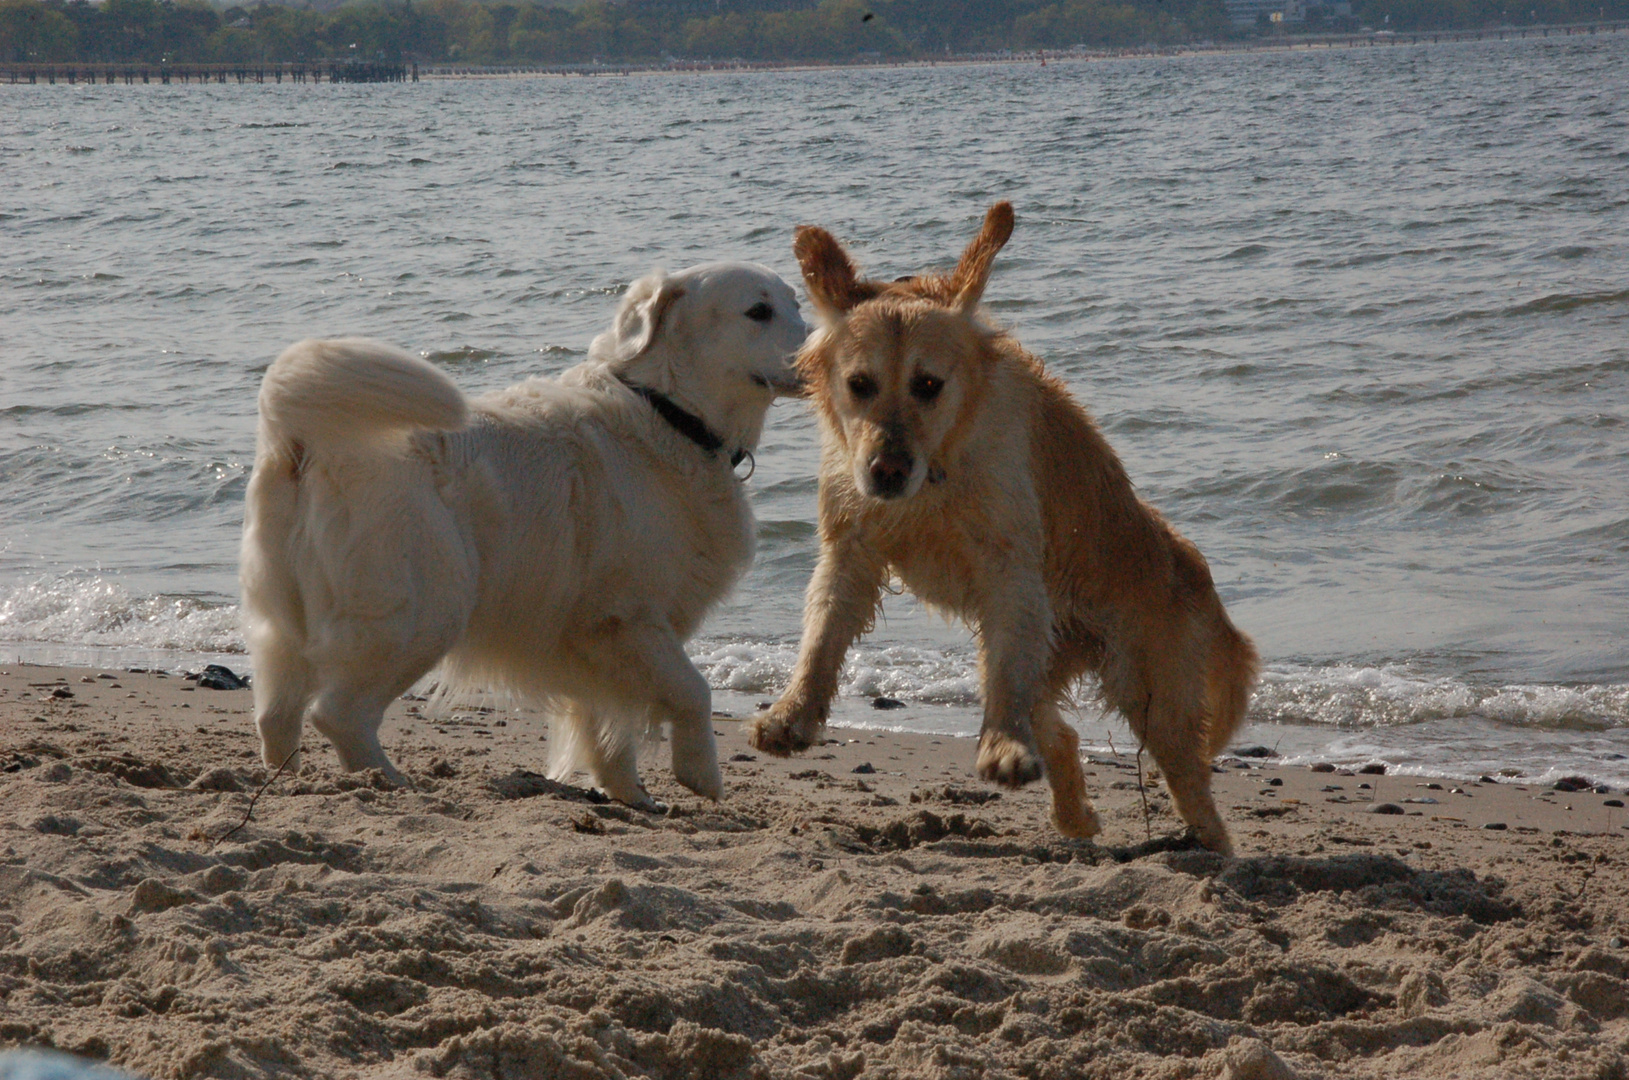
(953, 460)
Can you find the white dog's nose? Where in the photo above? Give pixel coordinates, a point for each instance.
(786, 383)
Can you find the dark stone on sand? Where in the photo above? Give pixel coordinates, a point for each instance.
(1498, 826)
(1574, 783)
(883, 943)
(1255, 751)
(1614, 802)
(1385, 808)
(865, 767)
(62, 692)
(1486, 780)
(887, 703)
(151, 894)
(131, 769)
(525, 784)
(1276, 781)
(219, 778)
(216, 677)
(57, 825)
(742, 757)
(1323, 766)
(1376, 769)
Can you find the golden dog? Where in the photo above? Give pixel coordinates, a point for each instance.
(954, 461)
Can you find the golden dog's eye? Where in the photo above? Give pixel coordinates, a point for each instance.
(926, 387)
(862, 386)
(760, 312)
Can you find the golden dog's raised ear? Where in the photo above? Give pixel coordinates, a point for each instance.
(973, 271)
(834, 284)
(639, 318)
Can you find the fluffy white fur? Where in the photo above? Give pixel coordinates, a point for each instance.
(557, 539)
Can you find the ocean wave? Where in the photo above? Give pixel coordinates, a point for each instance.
(912, 673)
(1392, 696)
(101, 613)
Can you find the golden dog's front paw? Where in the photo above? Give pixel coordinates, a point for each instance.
(1215, 838)
(1078, 822)
(1007, 761)
(782, 732)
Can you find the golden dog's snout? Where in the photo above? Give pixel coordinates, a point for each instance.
(890, 471)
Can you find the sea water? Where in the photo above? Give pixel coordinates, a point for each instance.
(1357, 320)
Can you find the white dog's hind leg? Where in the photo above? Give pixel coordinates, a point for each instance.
(643, 666)
(350, 718)
(616, 772)
(684, 700)
(589, 739)
(695, 751)
(282, 687)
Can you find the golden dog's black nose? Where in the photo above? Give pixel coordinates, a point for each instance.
(890, 472)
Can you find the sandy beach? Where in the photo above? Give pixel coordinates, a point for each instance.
(866, 910)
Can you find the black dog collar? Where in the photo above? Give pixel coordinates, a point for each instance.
(683, 421)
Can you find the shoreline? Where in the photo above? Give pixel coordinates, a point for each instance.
(1451, 748)
(129, 72)
(868, 909)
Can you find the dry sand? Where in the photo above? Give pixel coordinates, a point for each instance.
(826, 920)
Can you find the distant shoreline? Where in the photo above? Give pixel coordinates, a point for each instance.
(316, 71)
(1306, 43)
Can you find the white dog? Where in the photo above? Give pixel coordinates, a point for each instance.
(560, 539)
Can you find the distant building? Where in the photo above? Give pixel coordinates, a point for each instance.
(1250, 12)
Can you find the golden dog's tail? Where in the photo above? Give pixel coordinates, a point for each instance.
(1232, 676)
(345, 389)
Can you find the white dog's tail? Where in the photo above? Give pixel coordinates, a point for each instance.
(343, 389)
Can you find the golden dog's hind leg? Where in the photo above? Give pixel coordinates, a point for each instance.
(1177, 743)
(1072, 812)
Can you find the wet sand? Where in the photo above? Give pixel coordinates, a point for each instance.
(868, 909)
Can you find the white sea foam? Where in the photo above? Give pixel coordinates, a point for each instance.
(1351, 696)
(916, 673)
(100, 613)
(1417, 722)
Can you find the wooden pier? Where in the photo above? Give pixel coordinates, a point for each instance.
(316, 71)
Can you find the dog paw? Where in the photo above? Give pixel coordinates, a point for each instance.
(776, 732)
(1007, 761)
(1215, 839)
(708, 783)
(636, 797)
(1076, 822)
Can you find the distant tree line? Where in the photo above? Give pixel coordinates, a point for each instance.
(505, 32)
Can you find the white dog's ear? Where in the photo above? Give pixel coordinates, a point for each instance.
(639, 318)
